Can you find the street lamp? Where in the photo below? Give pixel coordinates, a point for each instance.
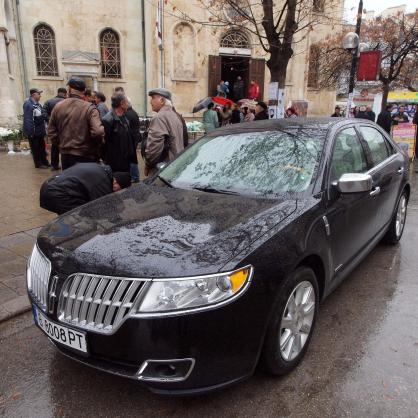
(351, 42)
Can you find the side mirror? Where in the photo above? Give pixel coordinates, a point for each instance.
(355, 183)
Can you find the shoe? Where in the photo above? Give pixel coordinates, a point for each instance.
(44, 167)
(55, 168)
(135, 181)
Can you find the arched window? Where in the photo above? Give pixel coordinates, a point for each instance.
(235, 39)
(45, 51)
(110, 54)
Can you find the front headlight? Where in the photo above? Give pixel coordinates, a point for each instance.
(203, 292)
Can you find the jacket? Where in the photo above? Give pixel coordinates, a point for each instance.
(133, 119)
(49, 106)
(119, 150)
(165, 127)
(103, 110)
(254, 91)
(76, 186)
(210, 120)
(76, 128)
(384, 120)
(261, 115)
(33, 118)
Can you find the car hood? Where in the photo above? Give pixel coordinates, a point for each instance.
(149, 231)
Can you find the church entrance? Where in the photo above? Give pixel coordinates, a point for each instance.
(231, 69)
(234, 60)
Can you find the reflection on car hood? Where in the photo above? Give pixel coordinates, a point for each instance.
(148, 231)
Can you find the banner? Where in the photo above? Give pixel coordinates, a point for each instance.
(403, 97)
(405, 133)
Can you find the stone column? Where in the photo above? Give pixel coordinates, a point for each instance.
(8, 111)
(95, 83)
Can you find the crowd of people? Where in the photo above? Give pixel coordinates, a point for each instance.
(386, 118)
(96, 144)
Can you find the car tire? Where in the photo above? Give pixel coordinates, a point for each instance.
(295, 309)
(397, 225)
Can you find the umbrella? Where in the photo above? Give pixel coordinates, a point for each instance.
(201, 104)
(222, 101)
(247, 103)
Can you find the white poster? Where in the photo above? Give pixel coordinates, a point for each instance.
(276, 101)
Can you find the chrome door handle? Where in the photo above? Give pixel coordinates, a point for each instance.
(401, 170)
(375, 191)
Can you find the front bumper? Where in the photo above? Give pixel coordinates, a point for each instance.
(223, 344)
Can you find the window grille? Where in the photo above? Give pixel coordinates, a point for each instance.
(235, 40)
(110, 54)
(45, 51)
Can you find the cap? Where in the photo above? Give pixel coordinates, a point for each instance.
(77, 83)
(123, 179)
(31, 91)
(161, 92)
(263, 105)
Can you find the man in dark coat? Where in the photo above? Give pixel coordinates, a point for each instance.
(261, 111)
(48, 107)
(80, 184)
(133, 119)
(384, 119)
(34, 128)
(400, 116)
(119, 150)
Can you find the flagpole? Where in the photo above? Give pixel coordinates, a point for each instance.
(161, 45)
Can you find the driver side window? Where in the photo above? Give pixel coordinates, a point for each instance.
(348, 155)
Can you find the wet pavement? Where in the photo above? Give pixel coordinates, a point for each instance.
(362, 361)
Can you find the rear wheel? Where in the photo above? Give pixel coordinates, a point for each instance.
(292, 323)
(397, 224)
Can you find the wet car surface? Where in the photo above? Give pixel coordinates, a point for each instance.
(162, 233)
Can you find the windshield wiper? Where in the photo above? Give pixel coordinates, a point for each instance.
(165, 181)
(210, 189)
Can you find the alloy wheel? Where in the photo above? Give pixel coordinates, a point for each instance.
(400, 216)
(297, 320)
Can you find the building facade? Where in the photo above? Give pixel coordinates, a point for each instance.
(109, 44)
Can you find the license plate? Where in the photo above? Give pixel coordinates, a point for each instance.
(63, 335)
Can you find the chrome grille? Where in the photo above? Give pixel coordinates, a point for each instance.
(38, 273)
(99, 303)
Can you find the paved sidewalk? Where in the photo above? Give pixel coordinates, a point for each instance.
(20, 220)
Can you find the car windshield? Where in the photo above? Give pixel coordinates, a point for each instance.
(259, 163)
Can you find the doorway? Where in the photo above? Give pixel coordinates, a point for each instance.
(231, 68)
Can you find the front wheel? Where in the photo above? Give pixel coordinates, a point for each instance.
(292, 323)
(397, 224)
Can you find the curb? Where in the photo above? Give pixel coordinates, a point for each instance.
(14, 308)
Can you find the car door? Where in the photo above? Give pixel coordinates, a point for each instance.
(349, 216)
(387, 170)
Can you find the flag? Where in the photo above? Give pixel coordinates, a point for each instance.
(159, 24)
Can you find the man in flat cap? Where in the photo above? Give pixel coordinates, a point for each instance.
(165, 135)
(75, 126)
(34, 128)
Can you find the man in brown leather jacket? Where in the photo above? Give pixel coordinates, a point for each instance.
(75, 126)
(165, 136)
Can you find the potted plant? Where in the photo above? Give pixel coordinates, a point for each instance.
(10, 136)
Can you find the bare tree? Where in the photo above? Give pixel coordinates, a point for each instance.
(396, 37)
(276, 24)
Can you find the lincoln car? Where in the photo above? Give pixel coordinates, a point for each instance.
(217, 265)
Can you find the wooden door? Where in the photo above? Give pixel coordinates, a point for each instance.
(257, 71)
(214, 74)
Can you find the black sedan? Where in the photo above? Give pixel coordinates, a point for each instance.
(217, 264)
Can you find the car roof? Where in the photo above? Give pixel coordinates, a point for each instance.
(272, 124)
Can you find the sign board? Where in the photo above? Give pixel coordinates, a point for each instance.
(276, 101)
(405, 133)
(403, 97)
(363, 98)
(369, 65)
